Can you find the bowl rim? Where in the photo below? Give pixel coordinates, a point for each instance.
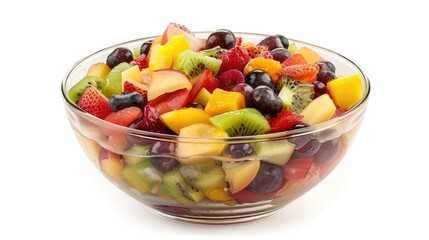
(244, 139)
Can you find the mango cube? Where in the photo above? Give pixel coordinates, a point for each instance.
(223, 101)
(178, 119)
(346, 91)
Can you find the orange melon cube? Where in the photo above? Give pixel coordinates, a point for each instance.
(309, 55)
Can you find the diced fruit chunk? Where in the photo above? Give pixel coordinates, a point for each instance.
(275, 152)
(132, 73)
(319, 110)
(346, 91)
(98, 70)
(223, 101)
(270, 66)
(111, 164)
(141, 176)
(309, 55)
(171, 101)
(167, 81)
(240, 174)
(177, 119)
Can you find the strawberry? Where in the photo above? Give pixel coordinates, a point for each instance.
(302, 72)
(284, 121)
(238, 41)
(266, 54)
(94, 102)
(171, 101)
(230, 78)
(234, 58)
(255, 51)
(151, 121)
(294, 60)
(125, 116)
(142, 61)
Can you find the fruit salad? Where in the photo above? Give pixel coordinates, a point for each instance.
(218, 89)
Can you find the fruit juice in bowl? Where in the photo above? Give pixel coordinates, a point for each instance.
(215, 127)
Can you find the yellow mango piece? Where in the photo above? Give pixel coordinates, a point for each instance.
(132, 73)
(346, 91)
(98, 70)
(319, 110)
(270, 66)
(309, 55)
(223, 101)
(178, 119)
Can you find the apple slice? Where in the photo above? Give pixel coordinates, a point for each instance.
(240, 174)
(177, 29)
(166, 81)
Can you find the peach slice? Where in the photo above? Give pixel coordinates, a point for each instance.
(111, 164)
(240, 174)
(167, 81)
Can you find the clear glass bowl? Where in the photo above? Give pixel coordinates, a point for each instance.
(327, 144)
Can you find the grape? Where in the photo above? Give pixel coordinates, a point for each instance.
(309, 149)
(222, 38)
(119, 55)
(245, 90)
(328, 151)
(266, 101)
(283, 40)
(259, 78)
(280, 54)
(269, 178)
(119, 102)
(330, 65)
(163, 164)
(319, 88)
(239, 150)
(325, 73)
(272, 42)
(144, 49)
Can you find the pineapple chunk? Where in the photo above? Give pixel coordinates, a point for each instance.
(98, 70)
(319, 110)
(132, 73)
(346, 91)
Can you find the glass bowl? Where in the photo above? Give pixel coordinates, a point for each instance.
(198, 193)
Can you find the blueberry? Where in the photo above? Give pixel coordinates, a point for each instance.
(119, 102)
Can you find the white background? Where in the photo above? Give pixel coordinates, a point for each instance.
(49, 190)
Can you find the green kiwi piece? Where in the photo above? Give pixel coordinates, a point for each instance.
(295, 95)
(136, 154)
(142, 176)
(213, 52)
(177, 187)
(77, 90)
(204, 175)
(112, 84)
(243, 122)
(193, 64)
(275, 152)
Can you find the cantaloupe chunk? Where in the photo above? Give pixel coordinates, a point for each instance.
(309, 55)
(346, 91)
(178, 119)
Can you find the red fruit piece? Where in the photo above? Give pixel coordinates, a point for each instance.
(297, 168)
(204, 80)
(266, 54)
(234, 58)
(133, 86)
(94, 102)
(302, 72)
(125, 116)
(151, 121)
(294, 60)
(171, 101)
(255, 51)
(230, 78)
(246, 196)
(284, 121)
(142, 61)
(238, 41)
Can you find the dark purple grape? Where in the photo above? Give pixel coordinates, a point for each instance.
(325, 73)
(309, 149)
(280, 54)
(119, 102)
(195, 105)
(245, 90)
(119, 55)
(269, 178)
(144, 49)
(330, 65)
(259, 78)
(319, 88)
(266, 101)
(283, 40)
(272, 42)
(328, 151)
(222, 38)
(239, 150)
(165, 163)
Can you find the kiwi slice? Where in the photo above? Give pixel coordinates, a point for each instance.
(177, 187)
(77, 90)
(295, 95)
(193, 64)
(243, 122)
(142, 176)
(203, 175)
(213, 52)
(112, 84)
(136, 154)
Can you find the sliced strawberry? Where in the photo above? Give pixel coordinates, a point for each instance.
(176, 29)
(294, 60)
(94, 103)
(234, 58)
(266, 54)
(142, 61)
(297, 168)
(238, 41)
(302, 72)
(284, 121)
(125, 116)
(230, 78)
(255, 50)
(151, 121)
(204, 80)
(171, 101)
